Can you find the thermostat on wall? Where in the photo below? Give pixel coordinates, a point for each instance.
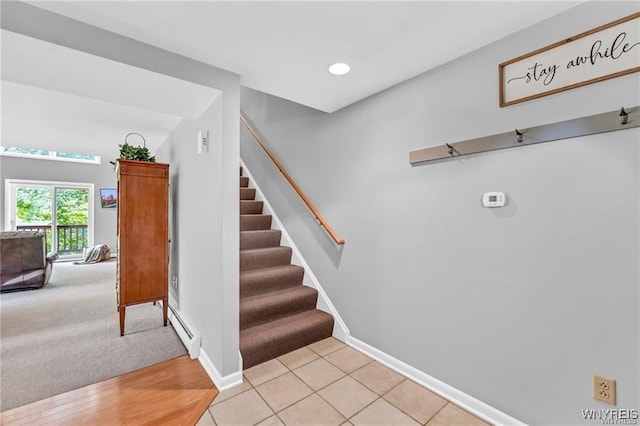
(493, 199)
(203, 142)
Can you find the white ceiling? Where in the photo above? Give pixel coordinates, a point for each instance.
(45, 119)
(285, 48)
(61, 99)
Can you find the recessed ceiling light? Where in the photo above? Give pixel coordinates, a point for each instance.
(339, 68)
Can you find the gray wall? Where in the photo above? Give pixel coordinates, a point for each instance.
(199, 254)
(102, 176)
(222, 345)
(517, 306)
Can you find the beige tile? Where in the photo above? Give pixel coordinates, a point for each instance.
(347, 423)
(283, 391)
(416, 401)
(377, 377)
(271, 421)
(264, 372)
(454, 415)
(298, 358)
(382, 413)
(236, 390)
(312, 410)
(326, 346)
(248, 408)
(347, 359)
(206, 420)
(318, 374)
(347, 396)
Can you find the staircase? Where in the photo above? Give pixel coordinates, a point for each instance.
(277, 313)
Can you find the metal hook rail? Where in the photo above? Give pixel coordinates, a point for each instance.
(591, 125)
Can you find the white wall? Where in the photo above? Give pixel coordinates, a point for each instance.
(517, 306)
(102, 176)
(31, 21)
(203, 297)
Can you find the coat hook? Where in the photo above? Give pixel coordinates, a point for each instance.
(518, 136)
(624, 116)
(450, 148)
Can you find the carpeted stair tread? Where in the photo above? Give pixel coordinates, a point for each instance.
(251, 207)
(270, 340)
(262, 308)
(247, 193)
(254, 222)
(260, 239)
(264, 258)
(277, 312)
(266, 280)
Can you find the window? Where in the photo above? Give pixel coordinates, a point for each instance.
(14, 151)
(64, 211)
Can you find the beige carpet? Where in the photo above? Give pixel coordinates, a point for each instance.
(66, 335)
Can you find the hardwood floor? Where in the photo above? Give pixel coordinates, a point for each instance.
(175, 392)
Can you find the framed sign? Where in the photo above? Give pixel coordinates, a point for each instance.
(604, 52)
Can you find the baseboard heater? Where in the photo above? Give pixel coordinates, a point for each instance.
(189, 339)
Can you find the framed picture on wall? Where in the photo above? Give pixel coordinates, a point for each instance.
(608, 51)
(108, 198)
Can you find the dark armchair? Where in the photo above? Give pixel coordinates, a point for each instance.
(24, 263)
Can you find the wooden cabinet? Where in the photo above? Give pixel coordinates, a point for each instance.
(143, 235)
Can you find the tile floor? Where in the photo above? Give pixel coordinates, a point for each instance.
(329, 383)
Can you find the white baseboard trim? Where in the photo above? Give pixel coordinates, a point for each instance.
(190, 340)
(222, 382)
(340, 330)
(467, 402)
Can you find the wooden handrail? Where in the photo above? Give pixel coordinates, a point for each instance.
(293, 184)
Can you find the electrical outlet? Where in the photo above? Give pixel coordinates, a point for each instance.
(604, 389)
(174, 281)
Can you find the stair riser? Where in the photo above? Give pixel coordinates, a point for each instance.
(254, 354)
(271, 310)
(272, 280)
(247, 193)
(255, 222)
(250, 260)
(251, 207)
(277, 313)
(260, 239)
